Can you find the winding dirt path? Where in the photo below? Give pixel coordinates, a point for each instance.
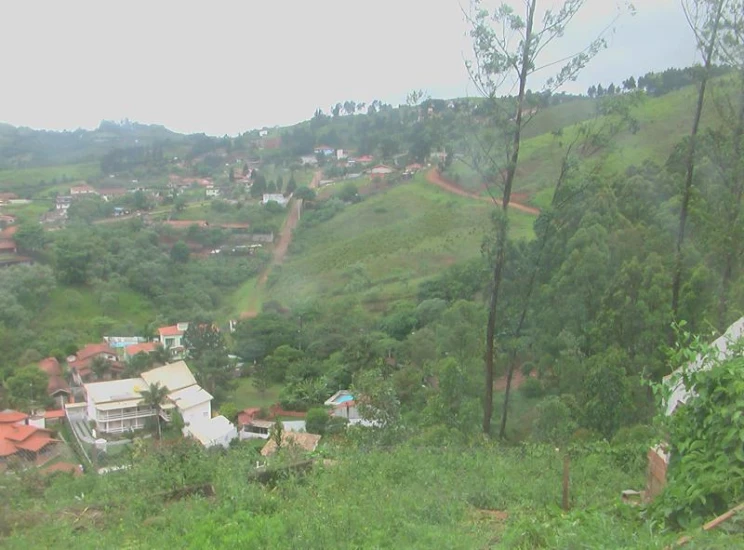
(433, 176)
(281, 246)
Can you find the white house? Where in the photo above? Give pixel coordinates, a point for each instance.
(720, 350)
(325, 150)
(212, 191)
(212, 432)
(278, 198)
(172, 337)
(83, 189)
(117, 406)
(62, 202)
(381, 170)
(309, 160)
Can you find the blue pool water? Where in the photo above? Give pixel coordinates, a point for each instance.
(344, 399)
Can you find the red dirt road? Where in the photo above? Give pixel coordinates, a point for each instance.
(433, 176)
(282, 245)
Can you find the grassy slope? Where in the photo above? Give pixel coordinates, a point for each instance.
(75, 310)
(246, 395)
(663, 122)
(396, 238)
(24, 179)
(426, 497)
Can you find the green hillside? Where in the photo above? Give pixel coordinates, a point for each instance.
(385, 245)
(662, 122)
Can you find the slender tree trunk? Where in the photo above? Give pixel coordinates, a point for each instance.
(526, 303)
(737, 177)
(690, 162)
(503, 229)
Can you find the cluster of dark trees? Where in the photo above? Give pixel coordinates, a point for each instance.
(657, 84)
(109, 260)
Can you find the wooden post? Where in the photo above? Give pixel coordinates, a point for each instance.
(566, 480)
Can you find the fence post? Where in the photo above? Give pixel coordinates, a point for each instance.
(566, 481)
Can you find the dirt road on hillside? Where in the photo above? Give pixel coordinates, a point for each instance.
(281, 246)
(433, 176)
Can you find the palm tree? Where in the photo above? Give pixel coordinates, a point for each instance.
(100, 366)
(154, 396)
(161, 355)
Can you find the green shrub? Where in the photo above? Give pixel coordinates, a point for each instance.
(316, 421)
(532, 388)
(706, 446)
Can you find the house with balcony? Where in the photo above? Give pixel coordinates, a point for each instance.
(117, 406)
(171, 338)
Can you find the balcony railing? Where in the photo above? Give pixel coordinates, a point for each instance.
(111, 416)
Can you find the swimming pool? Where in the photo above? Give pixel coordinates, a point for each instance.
(343, 399)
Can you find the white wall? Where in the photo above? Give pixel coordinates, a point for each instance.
(197, 412)
(226, 439)
(92, 412)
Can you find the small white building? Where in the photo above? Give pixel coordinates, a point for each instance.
(309, 160)
(720, 350)
(212, 191)
(381, 170)
(343, 405)
(278, 198)
(212, 432)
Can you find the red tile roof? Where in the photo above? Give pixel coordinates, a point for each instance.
(10, 231)
(247, 415)
(172, 330)
(14, 437)
(35, 442)
(57, 384)
(91, 350)
(147, 347)
(7, 245)
(50, 365)
(11, 417)
(55, 414)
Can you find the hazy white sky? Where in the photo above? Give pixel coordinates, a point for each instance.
(229, 66)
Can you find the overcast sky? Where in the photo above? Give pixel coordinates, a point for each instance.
(223, 67)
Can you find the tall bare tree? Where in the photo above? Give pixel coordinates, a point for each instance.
(507, 51)
(593, 138)
(704, 17)
(728, 149)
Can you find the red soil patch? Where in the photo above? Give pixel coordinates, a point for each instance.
(282, 245)
(433, 176)
(517, 380)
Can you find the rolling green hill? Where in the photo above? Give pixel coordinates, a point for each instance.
(662, 122)
(385, 245)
